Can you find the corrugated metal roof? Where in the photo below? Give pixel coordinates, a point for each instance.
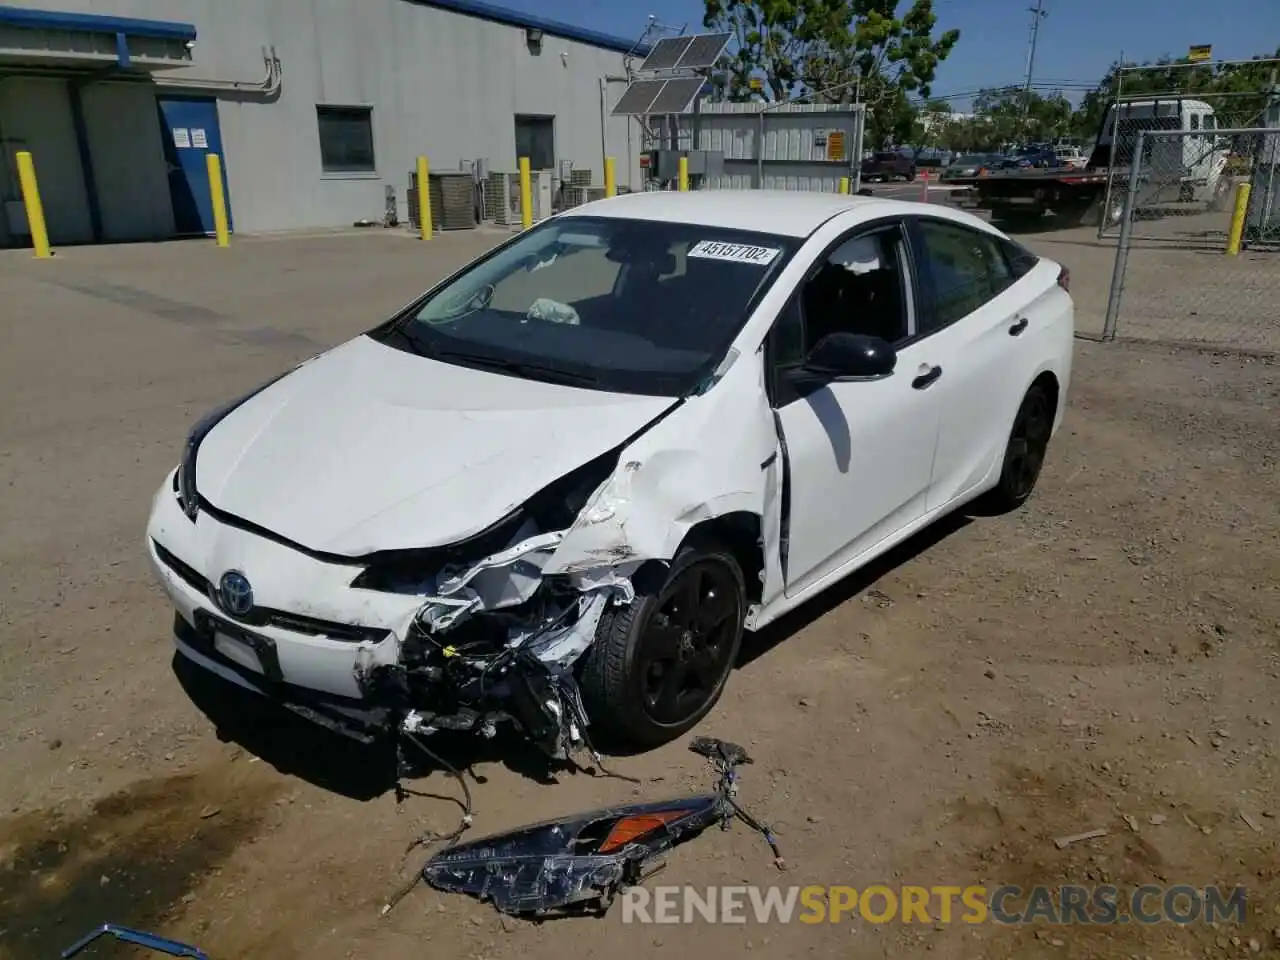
(555, 28)
(95, 23)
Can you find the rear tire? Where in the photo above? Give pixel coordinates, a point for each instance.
(660, 664)
(1024, 453)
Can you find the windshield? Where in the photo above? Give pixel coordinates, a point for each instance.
(972, 160)
(627, 306)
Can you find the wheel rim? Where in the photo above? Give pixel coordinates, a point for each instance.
(685, 651)
(1027, 445)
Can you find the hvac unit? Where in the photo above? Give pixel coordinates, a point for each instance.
(502, 199)
(453, 201)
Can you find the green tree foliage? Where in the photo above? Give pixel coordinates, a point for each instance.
(1238, 92)
(834, 51)
(1013, 115)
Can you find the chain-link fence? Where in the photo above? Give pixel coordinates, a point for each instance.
(1198, 255)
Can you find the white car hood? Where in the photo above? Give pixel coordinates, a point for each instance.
(369, 448)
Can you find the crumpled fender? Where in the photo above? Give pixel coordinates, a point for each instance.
(708, 458)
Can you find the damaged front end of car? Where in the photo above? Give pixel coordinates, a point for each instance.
(496, 637)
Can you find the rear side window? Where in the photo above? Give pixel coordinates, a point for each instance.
(967, 268)
(1021, 260)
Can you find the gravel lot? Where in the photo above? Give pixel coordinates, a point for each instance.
(1108, 652)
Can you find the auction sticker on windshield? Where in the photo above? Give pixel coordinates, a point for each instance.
(733, 252)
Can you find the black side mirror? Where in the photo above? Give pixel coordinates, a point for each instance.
(865, 192)
(850, 356)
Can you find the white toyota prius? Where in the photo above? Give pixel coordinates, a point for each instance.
(557, 487)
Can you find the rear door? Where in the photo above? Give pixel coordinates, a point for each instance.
(975, 309)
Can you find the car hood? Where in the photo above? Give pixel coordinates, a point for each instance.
(369, 448)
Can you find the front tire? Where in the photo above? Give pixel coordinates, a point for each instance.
(659, 665)
(1024, 453)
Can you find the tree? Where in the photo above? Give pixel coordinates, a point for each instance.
(1238, 92)
(835, 51)
(1013, 114)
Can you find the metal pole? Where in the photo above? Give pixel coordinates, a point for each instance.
(1122, 245)
(604, 137)
(1037, 14)
(1114, 120)
(760, 153)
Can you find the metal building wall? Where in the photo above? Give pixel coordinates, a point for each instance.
(439, 83)
(798, 146)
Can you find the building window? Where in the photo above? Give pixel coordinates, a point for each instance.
(346, 139)
(536, 139)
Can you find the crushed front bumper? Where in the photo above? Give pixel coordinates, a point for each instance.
(359, 720)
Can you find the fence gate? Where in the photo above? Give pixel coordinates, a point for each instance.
(1198, 256)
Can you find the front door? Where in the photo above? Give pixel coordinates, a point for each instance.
(189, 129)
(859, 454)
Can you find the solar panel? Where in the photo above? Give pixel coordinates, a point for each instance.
(636, 98)
(677, 96)
(704, 51)
(666, 53)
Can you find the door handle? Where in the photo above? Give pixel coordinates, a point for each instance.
(925, 379)
(1018, 327)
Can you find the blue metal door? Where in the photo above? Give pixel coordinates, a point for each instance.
(189, 130)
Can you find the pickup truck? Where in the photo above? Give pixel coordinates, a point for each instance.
(886, 166)
(1175, 170)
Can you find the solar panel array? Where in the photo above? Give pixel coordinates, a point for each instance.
(674, 94)
(696, 52)
(649, 97)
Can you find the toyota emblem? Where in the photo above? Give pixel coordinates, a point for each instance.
(235, 594)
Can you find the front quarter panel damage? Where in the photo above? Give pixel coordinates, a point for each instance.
(714, 456)
(496, 638)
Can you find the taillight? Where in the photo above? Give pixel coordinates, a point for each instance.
(1064, 279)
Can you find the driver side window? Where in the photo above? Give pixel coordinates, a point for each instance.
(860, 287)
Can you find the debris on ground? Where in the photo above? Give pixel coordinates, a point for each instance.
(1063, 842)
(579, 863)
(139, 938)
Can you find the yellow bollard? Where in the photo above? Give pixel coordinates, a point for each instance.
(220, 232)
(526, 195)
(684, 173)
(844, 185)
(424, 199)
(35, 209)
(1237, 219)
(610, 178)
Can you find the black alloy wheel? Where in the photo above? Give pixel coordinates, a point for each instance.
(1025, 453)
(688, 644)
(659, 664)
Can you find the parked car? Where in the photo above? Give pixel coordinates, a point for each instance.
(886, 166)
(1032, 158)
(559, 485)
(968, 165)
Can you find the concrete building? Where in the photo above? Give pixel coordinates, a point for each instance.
(316, 106)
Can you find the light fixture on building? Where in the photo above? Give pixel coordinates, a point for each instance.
(533, 37)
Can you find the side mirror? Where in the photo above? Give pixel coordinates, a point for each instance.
(865, 192)
(850, 356)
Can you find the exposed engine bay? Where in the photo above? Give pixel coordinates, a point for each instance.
(496, 639)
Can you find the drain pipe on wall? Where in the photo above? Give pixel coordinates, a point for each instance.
(268, 86)
(604, 122)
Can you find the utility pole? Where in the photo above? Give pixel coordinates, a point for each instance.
(1038, 13)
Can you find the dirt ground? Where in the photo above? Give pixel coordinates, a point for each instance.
(1110, 651)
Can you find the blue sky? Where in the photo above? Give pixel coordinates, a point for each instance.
(1078, 40)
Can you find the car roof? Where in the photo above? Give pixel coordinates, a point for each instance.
(791, 213)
